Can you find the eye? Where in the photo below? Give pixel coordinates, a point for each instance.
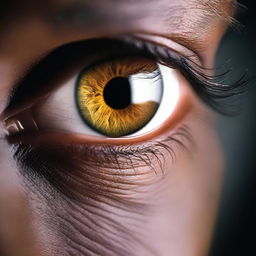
(126, 89)
(133, 95)
(124, 97)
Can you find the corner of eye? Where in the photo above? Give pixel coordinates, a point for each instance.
(21, 122)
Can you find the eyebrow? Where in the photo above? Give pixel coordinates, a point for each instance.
(184, 21)
(79, 12)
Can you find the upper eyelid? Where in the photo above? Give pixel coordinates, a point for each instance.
(31, 78)
(162, 43)
(203, 85)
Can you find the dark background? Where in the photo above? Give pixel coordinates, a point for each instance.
(236, 226)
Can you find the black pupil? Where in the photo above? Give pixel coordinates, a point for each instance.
(117, 93)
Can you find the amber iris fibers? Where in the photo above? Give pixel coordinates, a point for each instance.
(110, 102)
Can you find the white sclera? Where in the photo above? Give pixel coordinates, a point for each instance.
(146, 87)
(64, 114)
(170, 97)
(59, 111)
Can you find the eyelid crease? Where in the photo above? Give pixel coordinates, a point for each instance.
(164, 43)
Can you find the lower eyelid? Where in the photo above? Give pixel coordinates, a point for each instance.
(101, 151)
(131, 165)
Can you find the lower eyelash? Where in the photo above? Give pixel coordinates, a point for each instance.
(144, 155)
(105, 172)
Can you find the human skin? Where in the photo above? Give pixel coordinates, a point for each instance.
(168, 211)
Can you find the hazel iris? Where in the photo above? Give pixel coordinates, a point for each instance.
(119, 97)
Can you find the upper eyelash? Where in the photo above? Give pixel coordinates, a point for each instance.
(211, 89)
(216, 94)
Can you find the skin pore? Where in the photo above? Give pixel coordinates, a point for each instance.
(73, 201)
